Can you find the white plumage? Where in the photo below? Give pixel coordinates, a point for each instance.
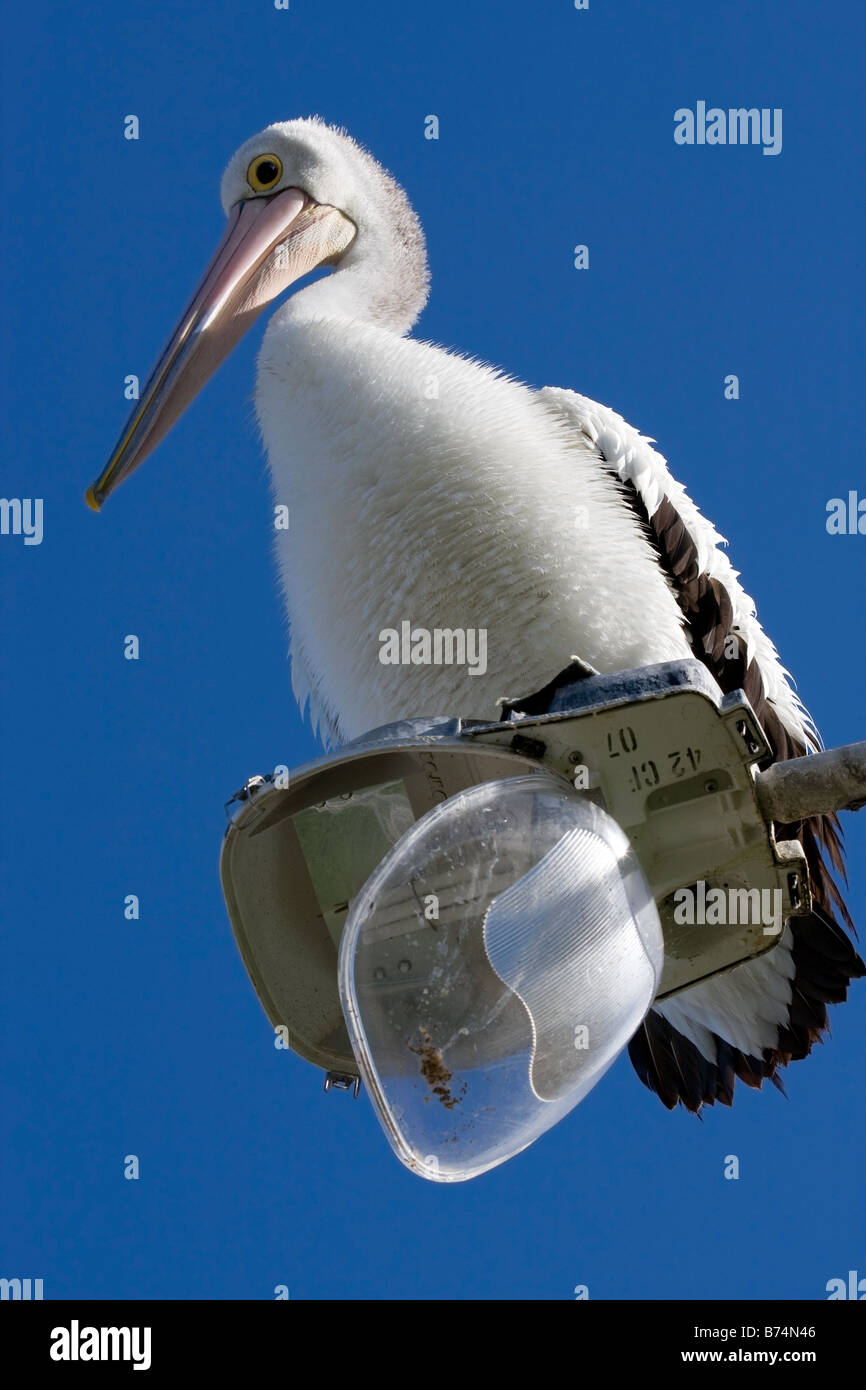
(477, 509)
(429, 487)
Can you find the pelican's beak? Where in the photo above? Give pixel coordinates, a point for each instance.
(269, 243)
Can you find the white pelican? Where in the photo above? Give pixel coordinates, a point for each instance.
(428, 488)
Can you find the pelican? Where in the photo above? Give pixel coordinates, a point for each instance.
(428, 488)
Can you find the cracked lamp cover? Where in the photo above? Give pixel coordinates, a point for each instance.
(492, 968)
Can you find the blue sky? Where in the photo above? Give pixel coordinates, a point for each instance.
(556, 128)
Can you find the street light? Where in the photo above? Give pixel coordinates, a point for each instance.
(475, 917)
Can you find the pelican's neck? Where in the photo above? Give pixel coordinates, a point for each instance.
(381, 279)
(350, 293)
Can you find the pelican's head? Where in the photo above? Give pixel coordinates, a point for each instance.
(300, 195)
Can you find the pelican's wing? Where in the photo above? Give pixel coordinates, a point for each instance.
(768, 1012)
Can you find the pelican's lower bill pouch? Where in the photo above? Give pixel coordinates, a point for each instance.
(474, 918)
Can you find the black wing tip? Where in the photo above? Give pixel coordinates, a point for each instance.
(671, 1066)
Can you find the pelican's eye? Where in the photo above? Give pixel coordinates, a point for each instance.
(264, 172)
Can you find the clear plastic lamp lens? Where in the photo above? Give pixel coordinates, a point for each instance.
(492, 969)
